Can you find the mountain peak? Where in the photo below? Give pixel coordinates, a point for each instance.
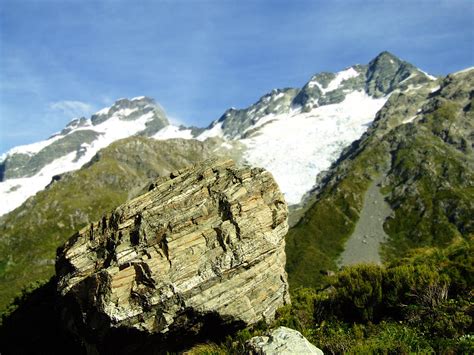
(386, 72)
(129, 109)
(386, 55)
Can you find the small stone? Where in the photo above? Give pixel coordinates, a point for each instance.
(281, 341)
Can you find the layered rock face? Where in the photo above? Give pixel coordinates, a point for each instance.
(207, 241)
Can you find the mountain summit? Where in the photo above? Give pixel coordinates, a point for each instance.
(27, 169)
(296, 133)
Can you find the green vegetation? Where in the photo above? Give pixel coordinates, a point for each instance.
(435, 205)
(421, 304)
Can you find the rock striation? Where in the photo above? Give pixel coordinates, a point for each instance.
(207, 242)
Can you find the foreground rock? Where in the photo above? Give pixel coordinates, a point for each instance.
(282, 341)
(203, 249)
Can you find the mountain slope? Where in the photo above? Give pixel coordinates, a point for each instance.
(30, 234)
(294, 133)
(298, 133)
(309, 127)
(27, 169)
(421, 147)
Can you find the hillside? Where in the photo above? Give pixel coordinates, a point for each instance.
(421, 149)
(416, 157)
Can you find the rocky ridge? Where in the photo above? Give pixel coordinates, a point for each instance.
(383, 75)
(207, 241)
(324, 116)
(27, 169)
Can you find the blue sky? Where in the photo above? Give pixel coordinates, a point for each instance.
(66, 58)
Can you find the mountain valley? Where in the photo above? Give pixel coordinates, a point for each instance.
(383, 142)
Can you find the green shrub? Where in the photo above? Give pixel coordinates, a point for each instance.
(359, 292)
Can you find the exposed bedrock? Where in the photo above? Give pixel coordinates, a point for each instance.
(202, 251)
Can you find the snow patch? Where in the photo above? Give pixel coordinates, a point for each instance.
(215, 131)
(30, 149)
(138, 98)
(280, 95)
(296, 147)
(340, 77)
(431, 77)
(172, 131)
(464, 71)
(14, 192)
(408, 120)
(124, 112)
(104, 111)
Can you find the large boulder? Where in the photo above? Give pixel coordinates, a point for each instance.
(281, 341)
(204, 248)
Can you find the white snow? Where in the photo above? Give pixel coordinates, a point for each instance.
(124, 112)
(110, 130)
(435, 89)
(337, 81)
(464, 70)
(407, 78)
(138, 98)
(296, 147)
(215, 131)
(172, 131)
(428, 75)
(30, 149)
(340, 77)
(261, 121)
(281, 94)
(104, 111)
(26, 187)
(410, 119)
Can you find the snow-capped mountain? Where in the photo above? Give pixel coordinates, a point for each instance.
(28, 169)
(294, 133)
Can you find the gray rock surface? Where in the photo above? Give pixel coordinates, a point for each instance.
(384, 75)
(281, 341)
(207, 241)
(16, 165)
(363, 246)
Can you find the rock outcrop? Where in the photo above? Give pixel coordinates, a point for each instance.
(205, 243)
(281, 341)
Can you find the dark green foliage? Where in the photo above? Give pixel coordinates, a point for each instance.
(421, 303)
(359, 292)
(33, 325)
